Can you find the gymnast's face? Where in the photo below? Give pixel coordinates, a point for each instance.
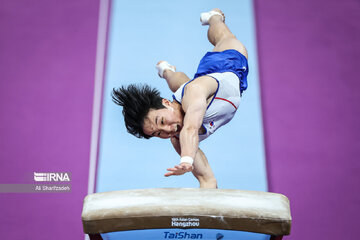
(164, 123)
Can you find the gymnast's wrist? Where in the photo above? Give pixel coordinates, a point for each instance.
(187, 159)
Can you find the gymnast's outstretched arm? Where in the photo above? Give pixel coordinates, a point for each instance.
(201, 168)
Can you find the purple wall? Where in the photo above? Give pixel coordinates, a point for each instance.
(47, 59)
(309, 56)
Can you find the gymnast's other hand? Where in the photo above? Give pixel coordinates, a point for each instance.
(179, 169)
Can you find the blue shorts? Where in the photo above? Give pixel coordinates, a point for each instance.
(227, 61)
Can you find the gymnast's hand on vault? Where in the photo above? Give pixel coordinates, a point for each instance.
(179, 169)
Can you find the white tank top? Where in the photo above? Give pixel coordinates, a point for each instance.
(223, 105)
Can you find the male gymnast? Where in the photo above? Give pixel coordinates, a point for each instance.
(200, 105)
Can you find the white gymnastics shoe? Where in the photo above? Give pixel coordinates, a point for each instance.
(205, 16)
(162, 66)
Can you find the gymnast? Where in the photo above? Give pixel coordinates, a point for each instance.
(200, 105)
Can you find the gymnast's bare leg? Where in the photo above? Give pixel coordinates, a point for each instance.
(174, 79)
(221, 37)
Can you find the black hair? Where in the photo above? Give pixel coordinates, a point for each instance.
(136, 101)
